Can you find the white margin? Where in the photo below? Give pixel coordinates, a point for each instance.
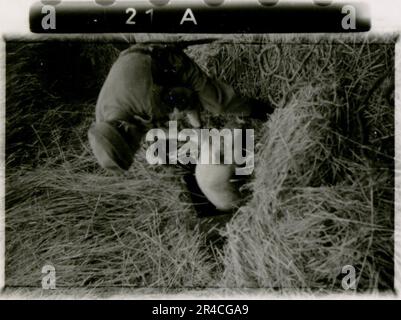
(385, 18)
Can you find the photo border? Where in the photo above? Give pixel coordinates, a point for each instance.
(212, 294)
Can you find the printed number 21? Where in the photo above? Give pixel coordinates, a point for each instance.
(132, 13)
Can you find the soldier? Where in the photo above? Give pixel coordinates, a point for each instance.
(142, 89)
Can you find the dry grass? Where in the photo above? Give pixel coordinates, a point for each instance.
(298, 231)
(322, 192)
(100, 230)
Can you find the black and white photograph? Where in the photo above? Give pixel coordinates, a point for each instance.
(107, 187)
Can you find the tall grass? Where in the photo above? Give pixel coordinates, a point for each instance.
(100, 230)
(299, 231)
(321, 196)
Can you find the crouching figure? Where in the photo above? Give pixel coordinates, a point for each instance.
(144, 86)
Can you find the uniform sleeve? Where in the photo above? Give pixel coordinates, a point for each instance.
(128, 92)
(216, 96)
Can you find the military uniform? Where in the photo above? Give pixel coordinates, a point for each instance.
(143, 87)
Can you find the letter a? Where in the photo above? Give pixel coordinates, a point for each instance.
(156, 152)
(49, 20)
(188, 16)
(348, 21)
(349, 280)
(49, 279)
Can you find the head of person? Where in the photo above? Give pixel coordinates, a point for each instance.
(114, 144)
(172, 66)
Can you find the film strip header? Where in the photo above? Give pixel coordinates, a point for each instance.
(202, 16)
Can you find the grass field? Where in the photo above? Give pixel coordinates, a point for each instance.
(321, 196)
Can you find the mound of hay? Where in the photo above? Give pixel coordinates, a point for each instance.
(299, 231)
(99, 230)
